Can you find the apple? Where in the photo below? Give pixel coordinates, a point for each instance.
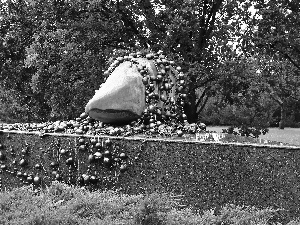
(36, 180)
(2, 156)
(22, 162)
(98, 155)
(3, 167)
(70, 161)
(123, 156)
(123, 168)
(107, 162)
(91, 158)
(82, 148)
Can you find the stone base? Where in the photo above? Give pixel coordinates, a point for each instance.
(113, 116)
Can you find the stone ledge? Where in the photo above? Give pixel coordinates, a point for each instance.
(155, 139)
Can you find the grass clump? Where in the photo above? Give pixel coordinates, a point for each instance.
(62, 204)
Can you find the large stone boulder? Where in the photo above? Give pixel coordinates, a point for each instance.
(121, 98)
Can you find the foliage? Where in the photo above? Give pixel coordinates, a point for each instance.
(15, 35)
(11, 111)
(247, 96)
(53, 53)
(247, 131)
(277, 33)
(68, 53)
(61, 204)
(272, 37)
(68, 43)
(240, 102)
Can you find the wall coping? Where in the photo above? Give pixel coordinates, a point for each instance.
(155, 139)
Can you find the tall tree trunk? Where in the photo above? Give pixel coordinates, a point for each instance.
(190, 108)
(282, 116)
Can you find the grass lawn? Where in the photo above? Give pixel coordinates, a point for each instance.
(287, 135)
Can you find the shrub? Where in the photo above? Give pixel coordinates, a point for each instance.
(61, 204)
(247, 131)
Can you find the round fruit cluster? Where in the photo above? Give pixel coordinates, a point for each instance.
(165, 89)
(85, 125)
(22, 162)
(97, 155)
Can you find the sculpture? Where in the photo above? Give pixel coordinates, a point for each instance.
(144, 93)
(140, 86)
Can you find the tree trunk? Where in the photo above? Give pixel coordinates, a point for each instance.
(190, 108)
(282, 116)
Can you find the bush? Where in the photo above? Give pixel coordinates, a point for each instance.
(62, 204)
(247, 131)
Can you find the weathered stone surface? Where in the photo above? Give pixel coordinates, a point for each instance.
(122, 97)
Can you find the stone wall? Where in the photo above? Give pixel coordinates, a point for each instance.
(208, 175)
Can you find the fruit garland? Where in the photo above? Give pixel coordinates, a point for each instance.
(99, 155)
(162, 107)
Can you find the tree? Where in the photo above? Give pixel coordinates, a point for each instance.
(196, 34)
(278, 29)
(55, 52)
(280, 78)
(273, 38)
(268, 31)
(239, 100)
(15, 34)
(89, 31)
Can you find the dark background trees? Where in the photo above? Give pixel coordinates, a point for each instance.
(53, 53)
(273, 37)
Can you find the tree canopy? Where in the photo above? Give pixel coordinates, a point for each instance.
(54, 52)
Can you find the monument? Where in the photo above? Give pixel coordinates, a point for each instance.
(140, 86)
